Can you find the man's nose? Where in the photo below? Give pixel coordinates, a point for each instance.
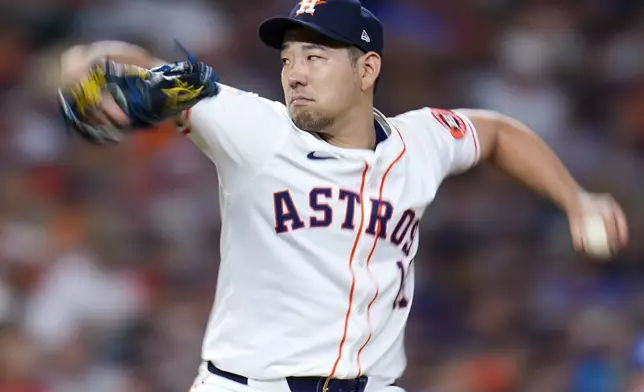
(297, 75)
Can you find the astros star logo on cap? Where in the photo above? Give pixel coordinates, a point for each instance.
(308, 6)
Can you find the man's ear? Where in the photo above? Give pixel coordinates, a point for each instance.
(370, 65)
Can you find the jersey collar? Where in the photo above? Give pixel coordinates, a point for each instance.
(388, 136)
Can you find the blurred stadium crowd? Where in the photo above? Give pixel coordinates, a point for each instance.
(108, 256)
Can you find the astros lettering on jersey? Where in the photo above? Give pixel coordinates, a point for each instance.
(318, 242)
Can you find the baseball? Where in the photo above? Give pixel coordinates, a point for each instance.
(595, 237)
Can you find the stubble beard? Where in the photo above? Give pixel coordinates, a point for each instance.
(310, 121)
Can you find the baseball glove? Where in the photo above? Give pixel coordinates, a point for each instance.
(146, 96)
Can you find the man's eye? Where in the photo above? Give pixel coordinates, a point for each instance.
(285, 61)
(313, 57)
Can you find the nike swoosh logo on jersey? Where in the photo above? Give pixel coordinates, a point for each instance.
(313, 155)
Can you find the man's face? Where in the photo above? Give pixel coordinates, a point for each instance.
(320, 81)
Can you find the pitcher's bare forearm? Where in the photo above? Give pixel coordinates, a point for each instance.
(518, 151)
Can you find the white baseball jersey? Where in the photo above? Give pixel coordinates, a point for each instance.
(316, 274)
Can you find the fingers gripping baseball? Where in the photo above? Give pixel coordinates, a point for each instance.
(600, 229)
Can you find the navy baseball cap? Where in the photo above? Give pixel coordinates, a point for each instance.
(345, 21)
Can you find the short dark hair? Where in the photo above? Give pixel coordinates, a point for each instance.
(354, 54)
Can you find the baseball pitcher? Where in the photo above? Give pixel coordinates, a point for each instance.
(321, 195)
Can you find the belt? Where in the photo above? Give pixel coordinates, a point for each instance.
(303, 384)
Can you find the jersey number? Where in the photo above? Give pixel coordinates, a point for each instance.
(401, 300)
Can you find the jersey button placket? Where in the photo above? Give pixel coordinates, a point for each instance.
(366, 244)
(369, 288)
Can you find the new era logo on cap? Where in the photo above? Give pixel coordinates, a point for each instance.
(365, 36)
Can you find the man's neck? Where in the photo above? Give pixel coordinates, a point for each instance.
(355, 130)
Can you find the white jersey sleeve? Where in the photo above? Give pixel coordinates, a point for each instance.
(239, 131)
(448, 138)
